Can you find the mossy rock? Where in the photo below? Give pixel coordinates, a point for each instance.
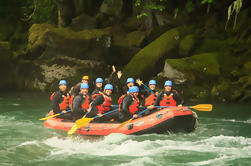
(83, 22)
(112, 8)
(247, 68)
(145, 61)
(186, 45)
(6, 30)
(135, 38)
(197, 67)
(63, 41)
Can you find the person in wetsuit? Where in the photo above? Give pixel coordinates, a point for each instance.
(81, 102)
(169, 97)
(61, 101)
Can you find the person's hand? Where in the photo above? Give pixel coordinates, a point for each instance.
(89, 110)
(100, 115)
(135, 116)
(64, 111)
(139, 82)
(180, 105)
(119, 74)
(151, 107)
(113, 69)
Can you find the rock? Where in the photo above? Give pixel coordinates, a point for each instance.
(83, 22)
(135, 38)
(194, 69)
(145, 61)
(43, 75)
(112, 8)
(47, 40)
(247, 68)
(132, 24)
(6, 67)
(6, 30)
(186, 45)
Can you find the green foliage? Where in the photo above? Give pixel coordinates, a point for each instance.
(39, 11)
(234, 7)
(190, 6)
(176, 10)
(207, 1)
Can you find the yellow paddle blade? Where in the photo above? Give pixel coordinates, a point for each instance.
(122, 124)
(80, 123)
(48, 117)
(73, 129)
(203, 107)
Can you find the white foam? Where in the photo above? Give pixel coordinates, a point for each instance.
(138, 162)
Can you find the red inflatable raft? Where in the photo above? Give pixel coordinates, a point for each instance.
(172, 119)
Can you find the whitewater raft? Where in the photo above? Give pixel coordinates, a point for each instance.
(173, 119)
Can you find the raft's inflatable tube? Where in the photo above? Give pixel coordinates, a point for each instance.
(173, 119)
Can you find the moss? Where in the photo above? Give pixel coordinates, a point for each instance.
(186, 45)
(197, 66)
(144, 62)
(64, 41)
(135, 38)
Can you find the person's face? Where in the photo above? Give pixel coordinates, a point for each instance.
(152, 87)
(99, 85)
(108, 92)
(130, 84)
(62, 87)
(84, 81)
(168, 88)
(84, 91)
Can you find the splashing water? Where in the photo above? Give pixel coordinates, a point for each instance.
(222, 138)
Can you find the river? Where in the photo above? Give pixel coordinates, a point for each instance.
(223, 137)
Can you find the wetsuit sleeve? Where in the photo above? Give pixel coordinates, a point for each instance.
(76, 89)
(178, 99)
(77, 104)
(55, 103)
(159, 98)
(125, 106)
(98, 101)
(96, 91)
(112, 78)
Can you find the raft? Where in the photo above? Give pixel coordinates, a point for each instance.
(172, 119)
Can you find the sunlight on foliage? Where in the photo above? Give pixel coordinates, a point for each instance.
(234, 7)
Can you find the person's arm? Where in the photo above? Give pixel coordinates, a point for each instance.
(177, 98)
(98, 101)
(55, 103)
(125, 106)
(159, 98)
(77, 104)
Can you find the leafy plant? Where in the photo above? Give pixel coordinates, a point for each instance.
(234, 7)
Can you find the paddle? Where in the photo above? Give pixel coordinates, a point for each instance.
(85, 121)
(128, 121)
(199, 107)
(148, 88)
(48, 117)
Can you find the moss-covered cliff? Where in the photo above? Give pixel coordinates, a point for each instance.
(188, 42)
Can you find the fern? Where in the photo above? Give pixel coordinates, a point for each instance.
(234, 7)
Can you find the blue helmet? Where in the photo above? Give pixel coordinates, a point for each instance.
(108, 86)
(99, 80)
(152, 82)
(168, 83)
(133, 89)
(84, 86)
(62, 82)
(129, 80)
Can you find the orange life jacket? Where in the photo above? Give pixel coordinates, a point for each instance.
(168, 100)
(134, 107)
(96, 94)
(85, 105)
(106, 106)
(65, 104)
(150, 100)
(52, 95)
(120, 101)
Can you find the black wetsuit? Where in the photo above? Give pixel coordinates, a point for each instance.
(124, 113)
(57, 99)
(78, 111)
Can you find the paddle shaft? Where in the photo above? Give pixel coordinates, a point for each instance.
(105, 113)
(149, 89)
